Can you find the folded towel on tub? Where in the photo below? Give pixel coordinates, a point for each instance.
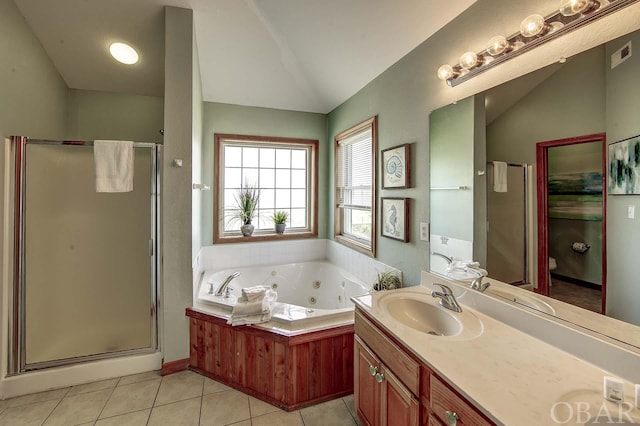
(254, 311)
(254, 293)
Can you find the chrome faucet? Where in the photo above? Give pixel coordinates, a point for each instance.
(225, 284)
(447, 299)
(477, 283)
(447, 258)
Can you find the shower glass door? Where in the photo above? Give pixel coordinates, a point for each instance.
(88, 284)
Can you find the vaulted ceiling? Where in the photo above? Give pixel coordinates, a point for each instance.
(300, 55)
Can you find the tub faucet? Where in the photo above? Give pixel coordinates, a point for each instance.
(447, 299)
(447, 258)
(225, 284)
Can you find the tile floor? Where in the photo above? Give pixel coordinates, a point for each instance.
(577, 295)
(184, 398)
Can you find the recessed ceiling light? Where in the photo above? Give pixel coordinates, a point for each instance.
(123, 53)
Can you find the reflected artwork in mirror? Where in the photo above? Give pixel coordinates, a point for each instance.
(582, 254)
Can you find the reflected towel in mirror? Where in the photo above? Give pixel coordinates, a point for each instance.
(499, 176)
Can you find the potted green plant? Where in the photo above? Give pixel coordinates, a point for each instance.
(280, 220)
(387, 281)
(247, 199)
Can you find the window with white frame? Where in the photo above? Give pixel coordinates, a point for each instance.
(284, 172)
(355, 187)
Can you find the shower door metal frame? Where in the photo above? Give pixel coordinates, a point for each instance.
(17, 360)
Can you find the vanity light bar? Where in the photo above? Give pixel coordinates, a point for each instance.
(537, 32)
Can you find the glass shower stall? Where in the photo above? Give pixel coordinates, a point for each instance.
(86, 263)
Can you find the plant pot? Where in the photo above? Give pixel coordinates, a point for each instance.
(247, 230)
(280, 228)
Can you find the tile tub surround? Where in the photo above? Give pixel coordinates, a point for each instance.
(148, 399)
(512, 377)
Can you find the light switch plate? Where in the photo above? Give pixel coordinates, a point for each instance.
(621, 55)
(424, 231)
(631, 212)
(637, 396)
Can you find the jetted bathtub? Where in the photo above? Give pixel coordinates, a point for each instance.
(308, 292)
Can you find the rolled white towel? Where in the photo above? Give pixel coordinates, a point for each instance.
(254, 293)
(468, 273)
(462, 265)
(253, 312)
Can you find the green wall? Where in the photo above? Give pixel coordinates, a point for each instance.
(32, 93)
(244, 120)
(569, 103)
(623, 234)
(451, 143)
(103, 115)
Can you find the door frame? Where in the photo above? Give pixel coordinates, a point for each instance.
(542, 169)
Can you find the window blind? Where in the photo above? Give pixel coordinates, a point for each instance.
(355, 171)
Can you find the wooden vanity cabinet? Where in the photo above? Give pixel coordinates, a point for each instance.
(392, 387)
(381, 399)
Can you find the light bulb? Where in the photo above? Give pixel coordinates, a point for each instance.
(123, 53)
(573, 7)
(498, 45)
(533, 25)
(445, 72)
(469, 60)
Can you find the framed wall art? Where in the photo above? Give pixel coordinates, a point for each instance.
(396, 167)
(624, 167)
(395, 218)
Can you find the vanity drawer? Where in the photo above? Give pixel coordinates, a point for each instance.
(403, 366)
(444, 399)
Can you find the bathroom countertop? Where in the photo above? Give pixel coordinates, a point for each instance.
(514, 378)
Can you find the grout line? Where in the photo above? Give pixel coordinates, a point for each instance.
(54, 409)
(201, 400)
(107, 401)
(355, 421)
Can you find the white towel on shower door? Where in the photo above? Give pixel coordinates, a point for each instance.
(114, 165)
(499, 176)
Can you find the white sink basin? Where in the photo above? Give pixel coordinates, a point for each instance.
(517, 296)
(430, 319)
(420, 312)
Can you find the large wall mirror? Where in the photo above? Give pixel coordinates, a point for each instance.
(551, 129)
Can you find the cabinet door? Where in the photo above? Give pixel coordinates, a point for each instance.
(366, 390)
(399, 406)
(433, 421)
(451, 408)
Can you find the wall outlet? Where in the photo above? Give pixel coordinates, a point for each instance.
(613, 389)
(631, 212)
(424, 231)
